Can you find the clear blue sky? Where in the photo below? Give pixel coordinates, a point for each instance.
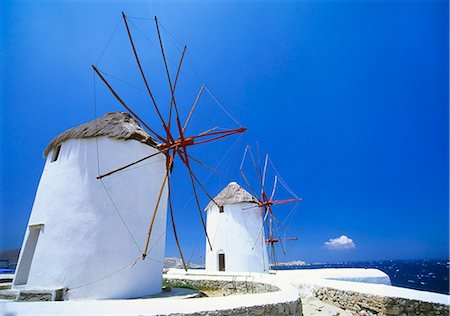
(350, 98)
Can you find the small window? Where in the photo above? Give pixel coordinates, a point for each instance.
(56, 153)
(221, 209)
(221, 262)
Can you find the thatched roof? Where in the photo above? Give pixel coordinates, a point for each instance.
(118, 125)
(232, 194)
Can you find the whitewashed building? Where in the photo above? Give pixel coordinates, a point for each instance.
(235, 232)
(86, 234)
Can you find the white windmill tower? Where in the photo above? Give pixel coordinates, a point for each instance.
(233, 224)
(98, 223)
(81, 228)
(241, 225)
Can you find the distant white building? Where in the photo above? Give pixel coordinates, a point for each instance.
(236, 233)
(85, 234)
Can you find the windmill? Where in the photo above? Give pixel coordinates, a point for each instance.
(174, 141)
(271, 227)
(91, 208)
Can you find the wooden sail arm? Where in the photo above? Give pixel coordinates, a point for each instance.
(263, 178)
(172, 218)
(190, 141)
(180, 130)
(158, 201)
(126, 106)
(286, 201)
(185, 159)
(193, 108)
(274, 188)
(241, 170)
(218, 135)
(275, 240)
(143, 76)
(203, 164)
(131, 164)
(155, 210)
(175, 85)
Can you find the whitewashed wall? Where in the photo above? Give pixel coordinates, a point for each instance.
(235, 232)
(84, 241)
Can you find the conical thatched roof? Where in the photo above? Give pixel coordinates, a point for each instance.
(118, 125)
(232, 194)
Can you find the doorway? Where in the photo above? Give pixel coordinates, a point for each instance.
(221, 262)
(23, 269)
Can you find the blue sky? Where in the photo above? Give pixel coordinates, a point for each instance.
(349, 98)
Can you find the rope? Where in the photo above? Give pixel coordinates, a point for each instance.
(98, 170)
(109, 41)
(282, 180)
(294, 208)
(143, 34)
(222, 107)
(120, 216)
(95, 119)
(123, 81)
(129, 265)
(139, 18)
(176, 41)
(195, 248)
(132, 263)
(139, 166)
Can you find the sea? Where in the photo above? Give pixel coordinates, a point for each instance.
(425, 274)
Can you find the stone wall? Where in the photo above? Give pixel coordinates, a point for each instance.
(280, 309)
(229, 287)
(239, 287)
(369, 305)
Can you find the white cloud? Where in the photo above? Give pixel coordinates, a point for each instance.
(342, 242)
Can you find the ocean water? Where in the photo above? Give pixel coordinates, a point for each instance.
(426, 275)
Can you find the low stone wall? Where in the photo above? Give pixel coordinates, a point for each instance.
(280, 309)
(238, 287)
(229, 287)
(369, 305)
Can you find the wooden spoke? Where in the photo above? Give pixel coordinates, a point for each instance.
(263, 179)
(175, 84)
(126, 106)
(168, 78)
(286, 201)
(193, 107)
(241, 170)
(130, 164)
(274, 188)
(260, 230)
(186, 162)
(221, 134)
(274, 257)
(143, 75)
(155, 210)
(204, 164)
(208, 131)
(255, 166)
(173, 225)
(192, 177)
(258, 153)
